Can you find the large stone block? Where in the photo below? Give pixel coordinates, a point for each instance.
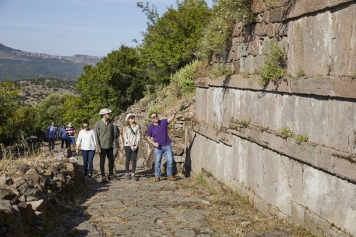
(242, 50)
(6, 214)
(254, 46)
(258, 6)
(316, 86)
(345, 87)
(260, 29)
(310, 44)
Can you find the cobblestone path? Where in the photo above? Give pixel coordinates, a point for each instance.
(186, 207)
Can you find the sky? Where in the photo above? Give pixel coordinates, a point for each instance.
(69, 27)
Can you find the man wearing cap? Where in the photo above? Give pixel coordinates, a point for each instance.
(157, 135)
(105, 138)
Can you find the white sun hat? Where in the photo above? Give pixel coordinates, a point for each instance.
(128, 116)
(105, 111)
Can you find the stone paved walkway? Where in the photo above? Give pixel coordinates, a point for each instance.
(186, 207)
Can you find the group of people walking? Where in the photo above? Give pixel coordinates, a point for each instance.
(103, 139)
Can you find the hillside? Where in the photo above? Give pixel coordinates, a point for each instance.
(16, 64)
(32, 91)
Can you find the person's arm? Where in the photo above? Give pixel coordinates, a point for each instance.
(93, 137)
(114, 145)
(79, 140)
(155, 144)
(174, 111)
(138, 136)
(121, 142)
(96, 131)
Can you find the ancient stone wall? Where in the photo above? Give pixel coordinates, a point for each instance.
(237, 133)
(31, 195)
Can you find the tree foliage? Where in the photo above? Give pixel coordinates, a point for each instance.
(171, 40)
(113, 83)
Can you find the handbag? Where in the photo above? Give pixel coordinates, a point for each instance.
(133, 149)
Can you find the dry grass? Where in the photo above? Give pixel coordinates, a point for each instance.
(235, 206)
(10, 161)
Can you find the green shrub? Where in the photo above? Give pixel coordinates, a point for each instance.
(273, 67)
(285, 132)
(153, 108)
(301, 138)
(220, 70)
(262, 128)
(243, 123)
(182, 82)
(218, 31)
(300, 73)
(353, 76)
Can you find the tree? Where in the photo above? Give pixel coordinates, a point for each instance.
(171, 40)
(113, 83)
(8, 106)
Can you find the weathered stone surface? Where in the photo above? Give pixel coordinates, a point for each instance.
(178, 159)
(69, 167)
(237, 30)
(270, 29)
(242, 50)
(22, 168)
(254, 47)
(258, 6)
(184, 105)
(73, 231)
(177, 151)
(141, 163)
(6, 194)
(37, 205)
(73, 160)
(5, 179)
(260, 29)
(6, 214)
(202, 82)
(344, 87)
(319, 86)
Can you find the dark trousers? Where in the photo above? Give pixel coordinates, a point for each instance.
(88, 156)
(130, 154)
(64, 140)
(51, 143)
(106, 153)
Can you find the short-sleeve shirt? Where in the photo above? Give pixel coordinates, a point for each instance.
(70, 131)
(159, 133)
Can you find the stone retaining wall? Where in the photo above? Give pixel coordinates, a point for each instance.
(30, 195)
(237, 133)
(313, 183)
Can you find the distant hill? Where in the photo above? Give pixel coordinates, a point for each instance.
(16, 64)
(32, 91)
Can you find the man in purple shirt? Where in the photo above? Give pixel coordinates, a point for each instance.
(157, 135)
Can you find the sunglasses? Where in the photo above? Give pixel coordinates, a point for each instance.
(154, 117)
(132, 117)
(85, 127)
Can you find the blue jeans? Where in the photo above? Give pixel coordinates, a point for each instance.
(167, 152)
(88, 160)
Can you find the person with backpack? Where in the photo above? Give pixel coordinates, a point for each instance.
(63, 136)
(131, 133)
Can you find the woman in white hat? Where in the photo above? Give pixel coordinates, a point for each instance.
(131, 134)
